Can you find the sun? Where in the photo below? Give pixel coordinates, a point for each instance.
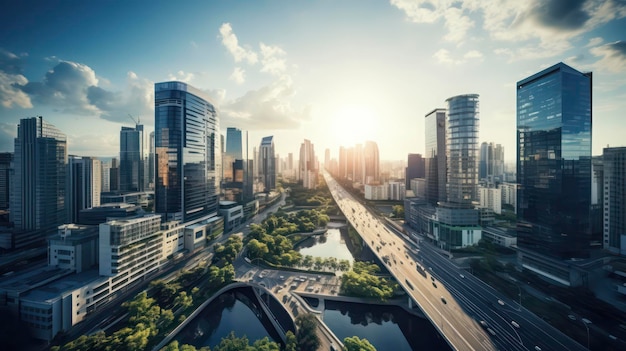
(354, 124)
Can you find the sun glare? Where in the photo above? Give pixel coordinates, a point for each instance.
(354, 124)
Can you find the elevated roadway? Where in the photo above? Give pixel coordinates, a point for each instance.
(469, 314)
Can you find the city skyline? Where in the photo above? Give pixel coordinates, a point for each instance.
(288, 74)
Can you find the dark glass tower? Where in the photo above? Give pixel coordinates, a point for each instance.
(554, 161)
(414, 169)
(267, 163)
(187, 152)
(435, 157)
(131, 159)
(233, 143)
(38, 185)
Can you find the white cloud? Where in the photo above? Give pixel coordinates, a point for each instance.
(273, 60)
(230, 41)
(193, 44)
(613, 56)
(10, 94)
(444, 56)
(594, 42)
(181, 76)
(238, 75)
(547, 26)
(268, 108)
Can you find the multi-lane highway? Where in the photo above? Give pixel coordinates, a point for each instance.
(468, 313)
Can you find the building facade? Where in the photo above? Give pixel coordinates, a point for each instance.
(371, 163)
(187, 153)
(132, 159)
(554, 162)
(83, 185)
(462, 149)
(614, 198)
(38, 189)
(435, 156)
(267, 164)
(414, 169)
(307, 170)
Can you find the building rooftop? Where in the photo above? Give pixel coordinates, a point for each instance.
(56, 288)
(28, 280)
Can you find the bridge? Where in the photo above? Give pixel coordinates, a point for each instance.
(469, 314)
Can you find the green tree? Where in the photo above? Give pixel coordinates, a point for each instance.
(257, 249)
(354, 343)
(306, 334)
(183, 300)
(398, 211)
(164, 292)
(291, 343)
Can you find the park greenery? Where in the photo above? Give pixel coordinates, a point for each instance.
(306, 332)
(354, 343)
(362, 281)
(397, 211)
(234, 343)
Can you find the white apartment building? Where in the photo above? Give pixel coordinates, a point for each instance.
(491, 198)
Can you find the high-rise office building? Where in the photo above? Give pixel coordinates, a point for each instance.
(358, 167)
(554, 161)
(614, 160)
(5, 184)
(105, 176)
(131, 159)
(414, 169)
(491, 163)
(150, 171)
(343, 163)
(114, 175)
(485, 166)
(462, 149)
(83, 185)
(267, 163)
(187, 152)
(371, 163)
(307, 170)
(233, 143)
(38, 184)
(435, 157)
(327, 159)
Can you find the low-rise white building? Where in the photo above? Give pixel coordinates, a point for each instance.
(376, 192)
(509, 194)
(491, 198)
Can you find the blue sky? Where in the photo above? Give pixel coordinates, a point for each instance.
(335, 72)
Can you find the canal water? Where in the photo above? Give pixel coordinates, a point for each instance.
(236, 310)
(385, 327)
(331, 244)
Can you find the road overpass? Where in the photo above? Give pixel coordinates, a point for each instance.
(469, 314)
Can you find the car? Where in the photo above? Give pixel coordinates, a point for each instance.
(501, 302)
(261, 275)
(282, 277)
(484, 324)
(571, 316)
(461, 275)
(514, 323)
(537, 348)
(491, 331)
(434, 285)
(444, 300)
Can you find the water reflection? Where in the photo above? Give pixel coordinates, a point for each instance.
(331, 244)
(235, 310)
(386, 327)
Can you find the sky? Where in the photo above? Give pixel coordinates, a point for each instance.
(334, 72)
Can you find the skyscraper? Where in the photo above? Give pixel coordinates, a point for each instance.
(38, 183)
(150, 171)
(614, 161)
(435, 157)
(233, 143)
(491, 162)
(414, 169)
(371, 163)
(267, 162)
(83, 185)
(462, 149)
(554, 161)
(131, 159)
(307, 170)
(187, 152)
(5, 184)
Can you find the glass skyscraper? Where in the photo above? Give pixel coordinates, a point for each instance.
(131, 159)
(267, 163)
(435, 156)
(233, 143)
(462, 148)
(38, 185)
(187, 152)
(554, 161)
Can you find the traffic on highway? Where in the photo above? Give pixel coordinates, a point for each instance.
(468, 313)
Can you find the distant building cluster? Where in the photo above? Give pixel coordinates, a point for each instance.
(109, 223)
